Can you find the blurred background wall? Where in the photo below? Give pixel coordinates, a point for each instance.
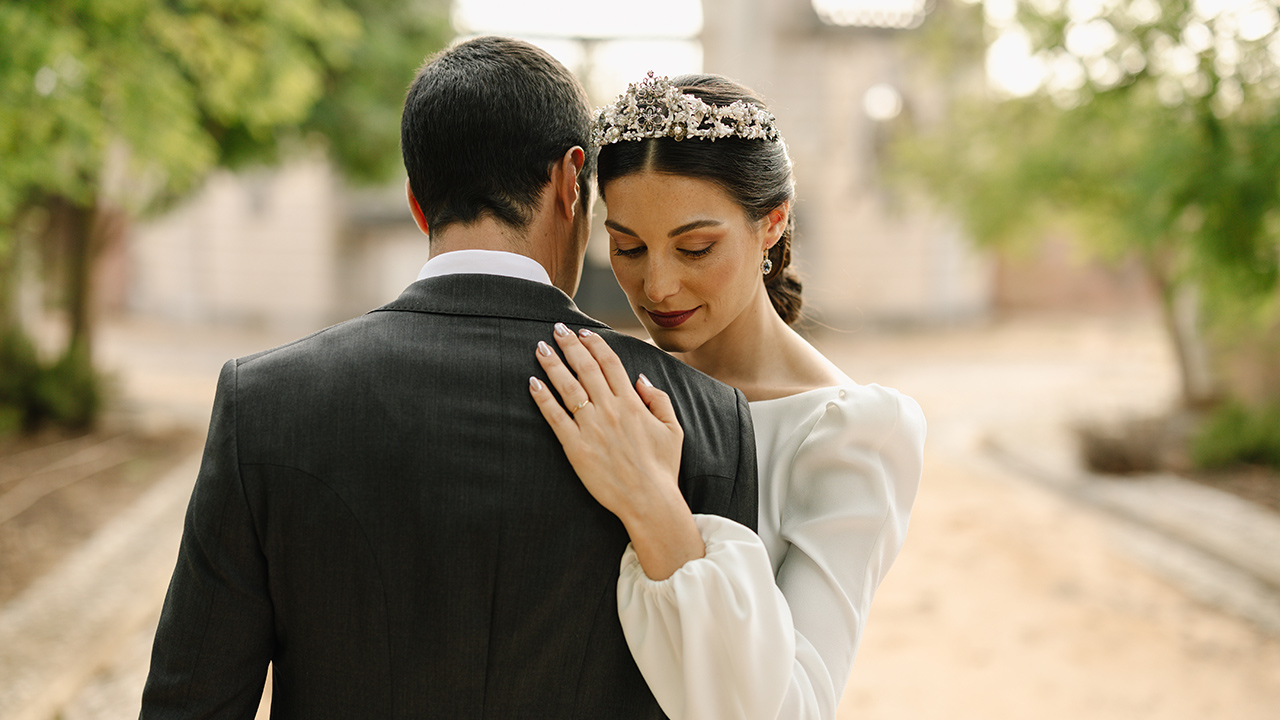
(297, 246)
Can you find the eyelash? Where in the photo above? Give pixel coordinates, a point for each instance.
(693, 254)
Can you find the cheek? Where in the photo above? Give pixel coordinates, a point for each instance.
(725, 277)
(628, 275)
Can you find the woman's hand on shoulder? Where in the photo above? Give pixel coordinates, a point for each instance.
(624, 442)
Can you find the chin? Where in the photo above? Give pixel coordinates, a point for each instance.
(672, 340)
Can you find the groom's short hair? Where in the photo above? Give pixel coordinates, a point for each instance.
(483, 123)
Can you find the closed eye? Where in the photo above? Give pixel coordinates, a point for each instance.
(698, 253)
(628, 252)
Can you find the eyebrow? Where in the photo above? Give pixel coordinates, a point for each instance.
(687, 227)
(696, 224)
(620, 228)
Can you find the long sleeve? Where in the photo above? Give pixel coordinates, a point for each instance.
(768, 628)
(215, 637)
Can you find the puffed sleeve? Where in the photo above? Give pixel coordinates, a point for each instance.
(726, 637)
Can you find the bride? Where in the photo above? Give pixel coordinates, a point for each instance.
(722, 622)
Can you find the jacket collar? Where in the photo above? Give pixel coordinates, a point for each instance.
(490, 296)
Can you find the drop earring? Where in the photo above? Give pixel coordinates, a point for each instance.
(766, 266)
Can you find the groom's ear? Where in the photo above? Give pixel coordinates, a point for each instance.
(416, 210)
(564, 178)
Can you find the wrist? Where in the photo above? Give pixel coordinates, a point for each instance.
(651, 504)
(664, 534)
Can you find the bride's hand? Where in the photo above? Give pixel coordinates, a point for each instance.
(624, 442)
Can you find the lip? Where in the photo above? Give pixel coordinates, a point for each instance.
(672, 319)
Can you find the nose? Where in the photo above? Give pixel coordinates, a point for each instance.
(661, 280)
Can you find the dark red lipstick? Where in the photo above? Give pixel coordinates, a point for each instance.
(672, 319)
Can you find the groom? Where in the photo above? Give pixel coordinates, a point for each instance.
(382, 513)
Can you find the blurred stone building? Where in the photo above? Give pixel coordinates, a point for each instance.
(292, 247)
(295, 247)
(867, 254)
(257, 248)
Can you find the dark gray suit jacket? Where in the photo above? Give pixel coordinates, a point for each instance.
(383, 514)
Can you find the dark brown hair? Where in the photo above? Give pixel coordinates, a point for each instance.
(755, 173)
(483, 124)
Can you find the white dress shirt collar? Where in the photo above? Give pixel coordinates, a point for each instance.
(485, 262)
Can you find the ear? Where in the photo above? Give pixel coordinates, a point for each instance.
(775, 223)
(564, 180)
(416, 211)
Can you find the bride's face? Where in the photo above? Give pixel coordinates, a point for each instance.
(686, 255)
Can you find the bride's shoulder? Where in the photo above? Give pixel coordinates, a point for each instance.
(833, 441)
(879, 408)
(848, 413)
(802, 370)
(818, 397)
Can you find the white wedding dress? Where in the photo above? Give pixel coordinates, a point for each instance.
(766, 626)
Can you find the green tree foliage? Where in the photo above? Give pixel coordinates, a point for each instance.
(173, 82)
(358, 113)
(1149, 126)
(114, 108)
(1236, 434)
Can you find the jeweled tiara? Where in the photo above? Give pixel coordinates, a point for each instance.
(655, 108)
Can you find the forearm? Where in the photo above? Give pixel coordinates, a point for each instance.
(663, 532)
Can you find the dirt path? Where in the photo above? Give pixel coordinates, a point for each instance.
(1009, 601)
(57, 491)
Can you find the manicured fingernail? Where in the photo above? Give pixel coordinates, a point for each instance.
(533, 383)
(544, 349)
(585, 332)
(645, 381)
(562, 331)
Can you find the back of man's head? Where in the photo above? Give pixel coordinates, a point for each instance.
(483, 123)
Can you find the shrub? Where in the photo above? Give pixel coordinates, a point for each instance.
(1234, 434)
(66, 392)
(69, 391)
(20, 372)
(1129, 448)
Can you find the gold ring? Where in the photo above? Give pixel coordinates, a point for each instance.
(580, 405)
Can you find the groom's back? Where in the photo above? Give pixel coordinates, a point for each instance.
(381, 512)
(402, 525)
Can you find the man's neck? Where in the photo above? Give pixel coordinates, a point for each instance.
(485, 233)
(535, 242)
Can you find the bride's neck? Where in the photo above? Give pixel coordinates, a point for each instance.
(749, 353)
(764, 358)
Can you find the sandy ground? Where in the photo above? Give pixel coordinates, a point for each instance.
(1008, 603)
(1009, 600)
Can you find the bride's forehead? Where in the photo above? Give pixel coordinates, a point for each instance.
(667, 192)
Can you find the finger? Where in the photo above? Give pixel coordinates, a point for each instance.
(583, 363)
(614, 372)
(561, 378)
(557, 417)
(658, 402)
